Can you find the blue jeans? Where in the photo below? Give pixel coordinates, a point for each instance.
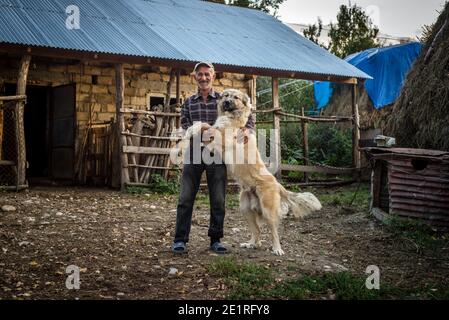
(216, 182)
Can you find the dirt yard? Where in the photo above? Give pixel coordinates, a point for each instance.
(121, 243)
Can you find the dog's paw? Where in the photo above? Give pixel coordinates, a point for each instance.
(278, 252)
(248, 245)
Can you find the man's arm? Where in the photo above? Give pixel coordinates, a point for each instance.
(186, 120)
(250, 123)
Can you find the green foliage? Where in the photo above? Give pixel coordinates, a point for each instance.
(419, 234)
(160, 185)
(355, 196)
(268, 6)
(330, 145)
(354, 32)
(313, 32)
(343, 286)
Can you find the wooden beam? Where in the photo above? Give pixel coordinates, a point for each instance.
(119, 98)
(115, 58)
(276, 126)
(146, 150)
(150, 113)
(356, 157)
(253, 92)
(317, 169)
(20, 128)
(13, 98)
(178, 87)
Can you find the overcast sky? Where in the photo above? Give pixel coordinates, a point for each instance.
(402, 18)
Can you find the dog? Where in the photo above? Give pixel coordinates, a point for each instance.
(262, 198)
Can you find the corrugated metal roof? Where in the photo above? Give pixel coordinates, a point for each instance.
(186, 30)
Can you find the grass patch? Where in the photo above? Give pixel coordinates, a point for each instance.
(358, 197)
(419, 234)
(158, 185)
(340, 286)
(247, 281)
(251, 281)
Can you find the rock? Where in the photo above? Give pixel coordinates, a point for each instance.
(59, 214)
(173, 272)
(23, 243)
(235, 230)
(120, 294)
(7, 208)
(153, 207)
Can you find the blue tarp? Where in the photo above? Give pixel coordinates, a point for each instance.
(388, 67)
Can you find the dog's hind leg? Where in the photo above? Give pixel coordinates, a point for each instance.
(271, 207)
(246, 208)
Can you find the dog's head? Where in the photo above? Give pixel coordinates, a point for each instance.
(234, 103)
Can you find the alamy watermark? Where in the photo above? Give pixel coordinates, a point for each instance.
(73, 21)
(73, 280)
(373, 280)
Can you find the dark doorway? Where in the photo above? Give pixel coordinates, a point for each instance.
(49, 121)
(36, 129)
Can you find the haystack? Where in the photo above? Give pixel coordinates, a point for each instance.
(420, 117)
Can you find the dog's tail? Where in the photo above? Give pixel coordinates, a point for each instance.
(299, 204)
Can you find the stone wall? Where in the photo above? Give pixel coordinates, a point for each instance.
(95, 85)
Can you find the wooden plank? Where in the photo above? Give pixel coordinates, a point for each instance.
(151, 137)
(7, 163)
(12, 98)
(119, 98)
(20, 129)
(150, 113)
(356, 157)
(276, 126)
(151, 167)
(317, 169)
(146, 150)
(376, 184)
(178, 87)
(316, 119)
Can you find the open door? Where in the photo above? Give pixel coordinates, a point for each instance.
(62, 117)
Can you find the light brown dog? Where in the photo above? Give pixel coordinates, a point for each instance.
(261, 197)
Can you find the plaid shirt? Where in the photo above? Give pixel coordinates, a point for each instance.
(195, 109)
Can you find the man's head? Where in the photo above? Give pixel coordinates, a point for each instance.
(204, 75)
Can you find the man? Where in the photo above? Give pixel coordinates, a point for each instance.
(202, 107)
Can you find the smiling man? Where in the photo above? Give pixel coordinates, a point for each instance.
(202, 107)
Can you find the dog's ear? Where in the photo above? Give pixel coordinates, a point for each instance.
(247, 101)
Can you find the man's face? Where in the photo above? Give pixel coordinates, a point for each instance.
(205, 78)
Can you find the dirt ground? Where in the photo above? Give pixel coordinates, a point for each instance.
(121, 243)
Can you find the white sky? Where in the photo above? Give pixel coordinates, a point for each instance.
(403, 18)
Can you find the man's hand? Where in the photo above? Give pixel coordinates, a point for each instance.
(207, 132)
(243, 135)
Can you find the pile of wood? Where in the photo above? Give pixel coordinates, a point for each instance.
(149, 140)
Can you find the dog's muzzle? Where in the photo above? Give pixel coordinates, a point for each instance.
(227, 106)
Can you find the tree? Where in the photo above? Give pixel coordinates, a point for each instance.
(313, 32)
(353, 32)
(268, 6)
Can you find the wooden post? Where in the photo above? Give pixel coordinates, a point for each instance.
(119, 98)
(253, 89)
(305, 145)
(355, 132)
(20, 129)
(178, 87)
(276, 126)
